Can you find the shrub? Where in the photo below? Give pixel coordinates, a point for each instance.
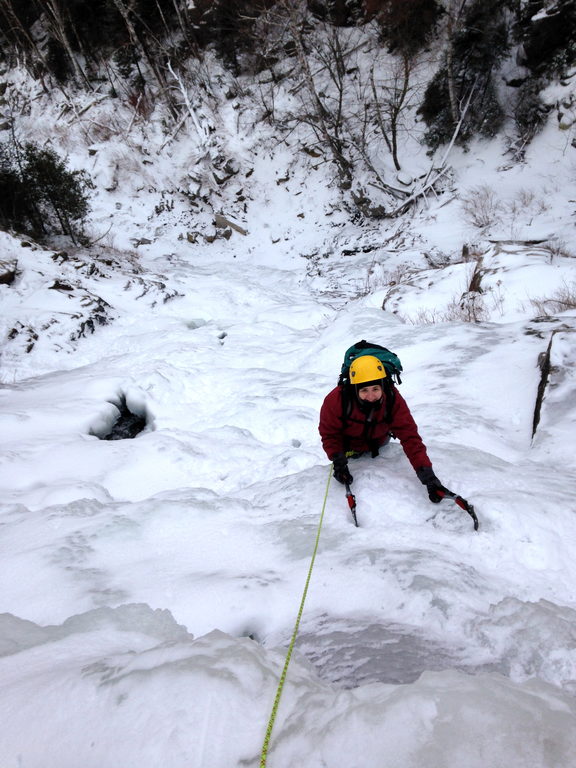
(563, 299)
(14, 203)
(480, 206)
(39, 195)
(529, 112)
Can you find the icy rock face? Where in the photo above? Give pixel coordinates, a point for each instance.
(110, 672)
(532, 640)
(349, 654)
(18, 634)
(119, 558)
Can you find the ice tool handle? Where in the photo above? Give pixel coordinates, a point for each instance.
(462, 503)
(351, 503)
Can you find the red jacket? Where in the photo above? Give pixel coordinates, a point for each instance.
(357, 434)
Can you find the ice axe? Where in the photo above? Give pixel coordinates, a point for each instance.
(351, 503)
(462, 503)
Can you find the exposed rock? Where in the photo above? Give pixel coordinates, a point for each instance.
(222, 222)
(556, 387)
(127, 426)
(119, 422)
(7, 272)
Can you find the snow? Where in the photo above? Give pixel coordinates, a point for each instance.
(150, 586)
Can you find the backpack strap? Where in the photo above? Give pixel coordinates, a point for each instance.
(390, 399)
(346, 403)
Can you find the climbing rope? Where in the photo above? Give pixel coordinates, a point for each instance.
(294, 634)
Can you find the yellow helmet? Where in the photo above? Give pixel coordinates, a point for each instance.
(366, 368)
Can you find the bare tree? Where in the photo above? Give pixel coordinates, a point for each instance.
(27, 45)
(355, 112)
(58, 28)
(325, 113)
(389, 101)
(140, 43)
(13, 30)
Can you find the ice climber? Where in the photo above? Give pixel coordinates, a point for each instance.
(362, 416)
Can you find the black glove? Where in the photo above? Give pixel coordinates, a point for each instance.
(341, 471)
(433, 485)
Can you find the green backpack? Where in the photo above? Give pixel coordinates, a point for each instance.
(391, 361)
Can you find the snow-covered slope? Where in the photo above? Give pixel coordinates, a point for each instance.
(150, 586)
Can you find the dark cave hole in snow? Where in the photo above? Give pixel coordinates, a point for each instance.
(127, 425)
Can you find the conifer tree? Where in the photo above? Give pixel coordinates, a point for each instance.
(477, 41)
(39, 195)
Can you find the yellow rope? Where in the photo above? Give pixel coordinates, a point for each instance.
(294, 634)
